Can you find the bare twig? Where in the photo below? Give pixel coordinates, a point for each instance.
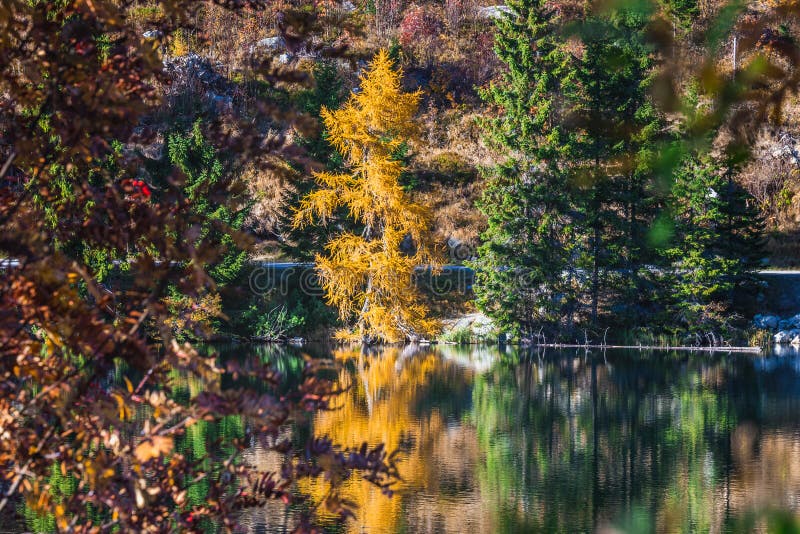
(7, 164)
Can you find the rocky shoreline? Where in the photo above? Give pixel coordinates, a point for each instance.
(786, 331)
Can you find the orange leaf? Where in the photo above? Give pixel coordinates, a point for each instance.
(153, 448)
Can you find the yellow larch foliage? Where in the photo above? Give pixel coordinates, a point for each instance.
(367, 276)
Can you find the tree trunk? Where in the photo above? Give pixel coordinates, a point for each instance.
(595, 275)
(595, 256)
(364, 309)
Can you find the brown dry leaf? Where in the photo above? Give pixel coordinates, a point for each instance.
(153, 448)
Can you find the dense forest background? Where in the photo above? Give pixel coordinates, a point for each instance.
(447, 49)
(489, 109)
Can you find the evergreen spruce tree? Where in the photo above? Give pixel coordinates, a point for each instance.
(742, 237)
(568, 211)
(718, 237)
(328, 92)
(614, 137)
(215, 210)
(206, 180)
(521, 278)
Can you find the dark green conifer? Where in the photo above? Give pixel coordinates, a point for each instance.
(717, 240)
(569, 210)
(328, 92)
(521, 273)
(614, 134)
(206, 181)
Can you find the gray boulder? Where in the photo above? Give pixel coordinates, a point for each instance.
(153, 150)
(781, 337)
(146, 142)
(478, 326)
(192, 67)
(785, 337)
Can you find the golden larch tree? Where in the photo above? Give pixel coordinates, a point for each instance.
(368, 276)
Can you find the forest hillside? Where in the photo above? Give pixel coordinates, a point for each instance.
(446, 49)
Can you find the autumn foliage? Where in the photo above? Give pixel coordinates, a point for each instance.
(90, 404)
(368, 275)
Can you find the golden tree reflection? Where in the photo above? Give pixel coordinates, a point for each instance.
(388, 401)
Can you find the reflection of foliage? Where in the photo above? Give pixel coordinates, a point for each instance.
(563, 436)
(565, 442)
(559, 443)
(274, 324)
(516, 461)
(777, 521)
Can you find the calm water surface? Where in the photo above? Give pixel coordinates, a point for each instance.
(566, 441)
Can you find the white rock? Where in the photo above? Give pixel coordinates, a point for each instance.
(796, 341)
(284, 58)
(153, 34)
(348, 6)
(494, 12)
(479, 325)
(783, 337)
(269, 44)
(483, 326)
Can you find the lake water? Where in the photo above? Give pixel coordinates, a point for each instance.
(565, 441)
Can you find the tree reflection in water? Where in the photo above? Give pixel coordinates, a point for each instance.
(571, 441)
(507, 441)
